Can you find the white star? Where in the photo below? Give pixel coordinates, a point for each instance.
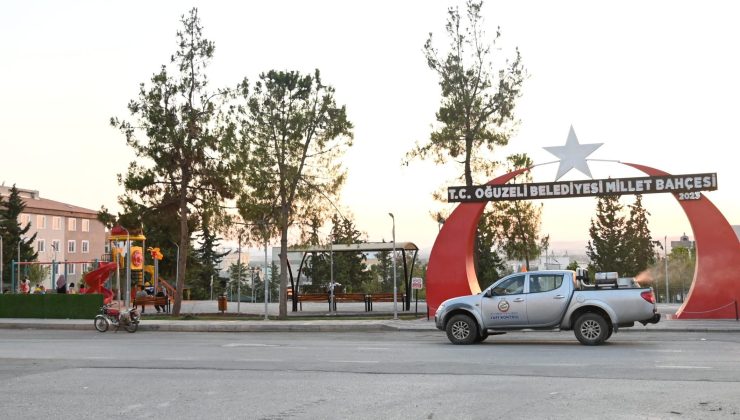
(573, 154)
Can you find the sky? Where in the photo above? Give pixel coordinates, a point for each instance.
(656, 82)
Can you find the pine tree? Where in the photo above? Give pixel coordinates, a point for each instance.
(349, 268)
(208, 259)
(606, 249)
(639, 245)
(13, 233)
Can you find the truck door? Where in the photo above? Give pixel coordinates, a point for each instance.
(546, 298)
(507, 305)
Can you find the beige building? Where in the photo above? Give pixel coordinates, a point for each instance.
(64, 233)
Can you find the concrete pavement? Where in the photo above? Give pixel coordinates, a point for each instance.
(352, 317)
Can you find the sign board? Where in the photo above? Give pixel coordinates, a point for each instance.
(686, 187)
(417, 283)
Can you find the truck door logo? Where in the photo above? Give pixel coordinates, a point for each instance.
(503, 306)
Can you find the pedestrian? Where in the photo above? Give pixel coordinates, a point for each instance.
(161, 293)
(142, 294)
(61, 284)
(71, 290)
(25, 286)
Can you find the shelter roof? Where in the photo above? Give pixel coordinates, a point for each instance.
(359, 247)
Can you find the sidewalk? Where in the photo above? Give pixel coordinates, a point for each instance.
(347, 312)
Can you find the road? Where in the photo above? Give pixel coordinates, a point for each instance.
(388, 375)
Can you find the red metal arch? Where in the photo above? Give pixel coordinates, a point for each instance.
(714, 291)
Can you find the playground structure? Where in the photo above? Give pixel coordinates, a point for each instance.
(117, 275)
(127, 253)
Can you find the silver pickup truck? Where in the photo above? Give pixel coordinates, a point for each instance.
(547, 300)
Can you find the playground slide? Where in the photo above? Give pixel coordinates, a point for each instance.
(94, 281)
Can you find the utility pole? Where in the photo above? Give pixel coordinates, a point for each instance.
(665, 252)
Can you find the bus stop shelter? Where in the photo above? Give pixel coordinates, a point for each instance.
(365, 247)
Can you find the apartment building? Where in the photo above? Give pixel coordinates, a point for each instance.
(64, 233)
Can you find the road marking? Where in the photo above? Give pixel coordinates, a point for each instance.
(353, 361)
(682, 367)
(249, 345)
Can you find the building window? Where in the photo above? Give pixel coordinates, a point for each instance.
(107, 248)
(55, 245)
(85, 225)
(25, 220)
(56, 223)
(71, 246)
(41, 222)
(70, 268)
(85, 247)
(40, 245)
(86, 267)
(72, 224)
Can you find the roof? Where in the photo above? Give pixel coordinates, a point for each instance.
(360, 247)
(37, 205)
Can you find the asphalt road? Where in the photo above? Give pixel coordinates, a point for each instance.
(388, 375)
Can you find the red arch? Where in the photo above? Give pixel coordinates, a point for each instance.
(714, 291)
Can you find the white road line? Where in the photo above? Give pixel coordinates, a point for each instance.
(354, 361)
(681, 367)
(249, 345)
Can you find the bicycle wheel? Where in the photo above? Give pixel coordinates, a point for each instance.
(101, 323)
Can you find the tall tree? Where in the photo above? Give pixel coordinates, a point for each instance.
(349, 268)
(176, 131)
(477, 107)
(640, 246)
(606, 249)
(476, 114)
(209, 259)
(517, 223)
(292, 138)
(13, 234)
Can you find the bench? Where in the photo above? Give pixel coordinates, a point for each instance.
(153, 301)
(338, 297)
(312, 297)
(351, 297)
(384, 297)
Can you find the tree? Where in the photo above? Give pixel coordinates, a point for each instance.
(640, 247)
(349, 268)
(208, 259)
(517, 223)
(383, 270)
(291, 140)
(490, 264)
(239, 273)
(477, 110)
(477, 107)
(606, 249)
(13, 233)
(177, 116)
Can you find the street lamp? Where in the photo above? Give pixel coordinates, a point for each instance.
(395, 287)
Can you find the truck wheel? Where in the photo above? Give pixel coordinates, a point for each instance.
(462, 329)
(591, 329)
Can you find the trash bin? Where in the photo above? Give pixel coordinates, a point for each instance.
(222, 303)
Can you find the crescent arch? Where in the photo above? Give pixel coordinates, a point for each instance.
(714, 292)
